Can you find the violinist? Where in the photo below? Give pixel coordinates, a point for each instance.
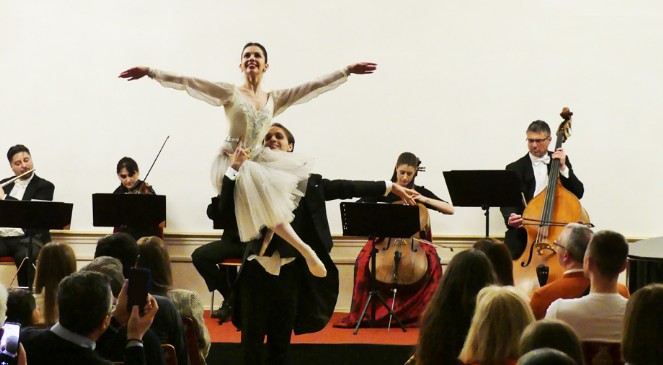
(130, 183)
(24, 185)
(532, 170)
(129, 176)
(414, 297)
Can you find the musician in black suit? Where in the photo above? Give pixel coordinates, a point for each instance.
(532, 170)
(206, 257)
(13, 241)
(275, 293)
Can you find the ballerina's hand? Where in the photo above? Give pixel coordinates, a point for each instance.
(362, 68)
(134, 73)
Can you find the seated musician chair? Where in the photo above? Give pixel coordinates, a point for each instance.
(602, 353)
(229, 264)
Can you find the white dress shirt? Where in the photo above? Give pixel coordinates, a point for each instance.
(540, 167)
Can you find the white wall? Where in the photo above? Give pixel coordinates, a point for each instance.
(457, 84)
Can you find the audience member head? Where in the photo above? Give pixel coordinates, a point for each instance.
(572, 245)
(56, 260)
(109, 267)
(643, 326)
(554, 334)
(22, 307)
(153, 255)
(85, 300)
(546, 356)
(406, 169)
(446, 319)
(499, 320)
(121, 246)
(606, 255)
(499, 256)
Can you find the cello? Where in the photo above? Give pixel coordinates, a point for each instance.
(401, 261)
(544, 219)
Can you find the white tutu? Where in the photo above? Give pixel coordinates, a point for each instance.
(268, 188)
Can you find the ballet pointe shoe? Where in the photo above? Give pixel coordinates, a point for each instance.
(315, 265)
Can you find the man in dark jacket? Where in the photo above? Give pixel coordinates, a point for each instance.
(532, 170)
(273, 305)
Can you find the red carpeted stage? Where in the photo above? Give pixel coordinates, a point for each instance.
(329, 346)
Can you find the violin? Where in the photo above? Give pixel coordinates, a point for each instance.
(141, 188)
(544, 218)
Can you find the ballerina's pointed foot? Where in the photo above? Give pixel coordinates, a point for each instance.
(316, 267)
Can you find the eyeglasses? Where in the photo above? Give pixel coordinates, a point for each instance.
(558, 245)
(538, 140)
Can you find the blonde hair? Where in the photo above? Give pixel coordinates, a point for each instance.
(500, 318)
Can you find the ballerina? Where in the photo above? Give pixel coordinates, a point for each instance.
(270, 184)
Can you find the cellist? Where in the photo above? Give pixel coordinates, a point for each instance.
(413, 300)
(532, 170)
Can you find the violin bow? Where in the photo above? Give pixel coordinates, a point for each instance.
(155, 159)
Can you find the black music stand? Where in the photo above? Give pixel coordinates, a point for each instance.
(485, 189)
(135, 210)
(378, 220)
(34, 215)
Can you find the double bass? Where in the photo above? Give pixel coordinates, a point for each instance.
(544, 219)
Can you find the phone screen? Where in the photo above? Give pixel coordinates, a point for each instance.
(9, 343)
(139, 284)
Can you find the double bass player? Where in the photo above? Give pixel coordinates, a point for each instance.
(532, 170)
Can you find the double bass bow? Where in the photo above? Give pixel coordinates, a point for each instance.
(544, 219)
